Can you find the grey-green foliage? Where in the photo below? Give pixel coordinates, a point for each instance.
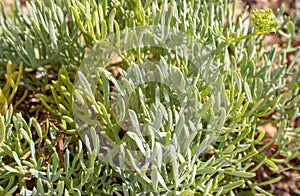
(255, 86)
(49, 35)
(37, 154)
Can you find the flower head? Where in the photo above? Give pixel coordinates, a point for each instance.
(264, 21)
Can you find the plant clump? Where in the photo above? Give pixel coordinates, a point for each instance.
(180, 96)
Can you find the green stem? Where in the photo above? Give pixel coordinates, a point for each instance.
(244, 37)
(227, 42)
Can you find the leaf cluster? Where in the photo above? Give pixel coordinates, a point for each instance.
(256, 85)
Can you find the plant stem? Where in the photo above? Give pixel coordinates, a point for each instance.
(227, 42)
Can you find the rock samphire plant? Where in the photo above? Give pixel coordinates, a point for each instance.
(145, 98)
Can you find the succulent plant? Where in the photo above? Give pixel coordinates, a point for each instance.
(201, 56)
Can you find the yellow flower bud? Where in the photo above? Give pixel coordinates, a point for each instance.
(264, 21)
